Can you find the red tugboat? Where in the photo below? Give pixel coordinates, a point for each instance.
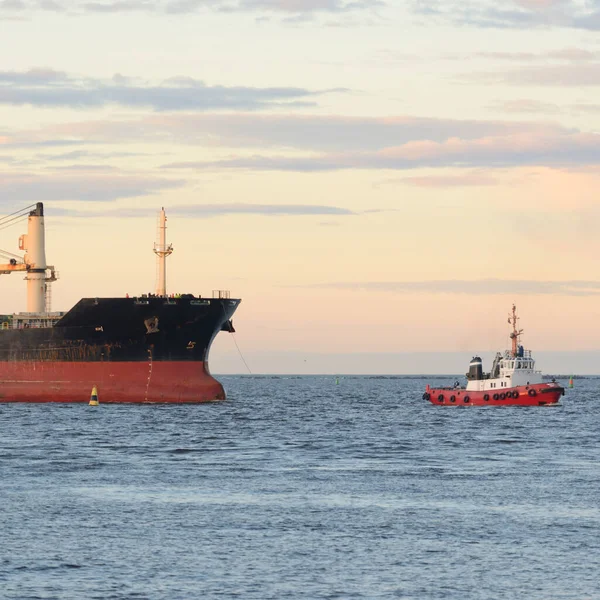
(513, 381)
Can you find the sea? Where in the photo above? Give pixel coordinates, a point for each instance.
(302, 487)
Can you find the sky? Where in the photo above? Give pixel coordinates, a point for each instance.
(379, 181)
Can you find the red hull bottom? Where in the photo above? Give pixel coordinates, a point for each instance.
(117, 382)
(539, 394)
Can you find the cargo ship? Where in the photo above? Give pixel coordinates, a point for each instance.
(513, 380)
(150, 348)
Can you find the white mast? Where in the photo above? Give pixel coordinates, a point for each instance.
(34, 244)
(162, 251)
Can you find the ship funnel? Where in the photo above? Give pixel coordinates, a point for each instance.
(475, 369)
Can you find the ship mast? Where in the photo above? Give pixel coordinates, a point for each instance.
(515, 333)
(162, 251)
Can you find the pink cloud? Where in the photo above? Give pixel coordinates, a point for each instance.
(519, 143)
(445, 181)
(528, 148)
(326, 143)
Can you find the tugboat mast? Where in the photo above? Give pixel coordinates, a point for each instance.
(515, 333)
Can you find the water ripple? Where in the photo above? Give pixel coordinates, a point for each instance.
(298, 487)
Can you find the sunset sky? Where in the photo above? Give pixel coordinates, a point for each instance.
(378, 181)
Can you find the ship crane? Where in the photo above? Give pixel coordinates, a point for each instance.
(15, 263)
(39, 274)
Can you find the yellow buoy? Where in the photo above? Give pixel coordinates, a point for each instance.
(94, 397)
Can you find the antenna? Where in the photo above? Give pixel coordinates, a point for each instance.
(515, 333)
(162, 251)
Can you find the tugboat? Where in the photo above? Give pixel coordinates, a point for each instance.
(513, 380)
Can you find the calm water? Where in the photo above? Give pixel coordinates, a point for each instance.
(301, 488)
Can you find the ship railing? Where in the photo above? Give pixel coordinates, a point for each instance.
(36, 325)
(221, 294)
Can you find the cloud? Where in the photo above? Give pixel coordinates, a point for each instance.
(564, 54)
(519, 14)
(329, 143)
(49, 88)
(479, 287)
(586, 108)
(50, 5)
(12, 5)
(540, 4)
(213, 210)
(294, 7)
(568, 75)
(206, 211)
(303, 132)
(569, 149)
(527, 106)
(573, 54)
(76, 155)
(446, 181)
(284, 133)
(120, 6)
(88, 187)
(535, 106)
(21, 142)
(86, 168)
(186, 7)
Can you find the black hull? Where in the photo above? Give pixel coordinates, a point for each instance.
(124, 330)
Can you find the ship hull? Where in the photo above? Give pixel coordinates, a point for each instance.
(168, 382)
(143, 351)
(542, 394)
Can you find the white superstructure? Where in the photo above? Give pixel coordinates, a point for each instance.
(507, 371)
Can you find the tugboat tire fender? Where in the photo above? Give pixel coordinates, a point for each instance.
(466, 399)
(452, 398)
(426, 396)
(441, 397)
(486, 397)
(495, 396)
(502, 396)
(532, 393)
(515, 394)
